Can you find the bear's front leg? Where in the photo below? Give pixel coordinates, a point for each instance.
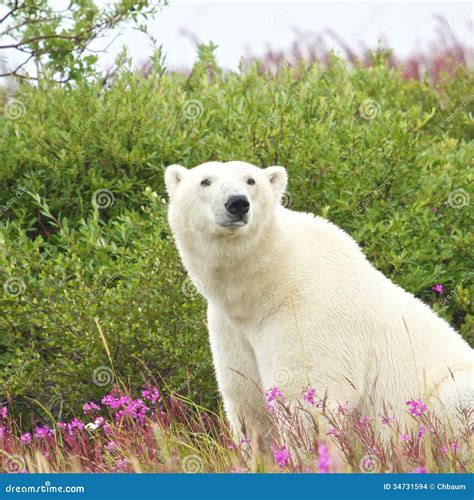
(238, 378)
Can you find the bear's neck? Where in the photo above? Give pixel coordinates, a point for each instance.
(217, 264)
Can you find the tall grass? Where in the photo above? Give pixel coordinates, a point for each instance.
(153, 434)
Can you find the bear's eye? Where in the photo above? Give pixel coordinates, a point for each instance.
(205, 182)
(250, 181)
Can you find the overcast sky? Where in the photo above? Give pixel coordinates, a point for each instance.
(234, 26)
(237, 26)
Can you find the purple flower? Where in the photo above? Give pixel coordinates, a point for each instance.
(74, 425)
(151, 395)
(121, 464)
(110, 446)
(434, 209)
(454, 446)
(42, 432)
(90, 407)
(421, 431)
(3, 412)
(3, 431)
(438, 289)
(245, 442)
(281, 455)
(308, 395)
(342, 408)
(272, 394)
(112, 402)
(416, 408)
(99, 421)
(137, 410)
(332, 432)
(404, 438)
(365, 420)
(421, 470)
(25, 438)
(323, 459)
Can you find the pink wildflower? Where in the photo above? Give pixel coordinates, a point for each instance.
(342, 408)
(112, 402)
(25, 438)
(323, 459)
(3, 412)
(416, 408)
(386, 420)
(332, 432)
(74, 425)
(110, 446)
(438, 289)
(404, 438)
(90, 407)
(365, 420)
(421, 470)
(121, 464)
(151, 395)
(281, 455)
(421, 431)
(273, 394)
(308, 395)
(42, 432)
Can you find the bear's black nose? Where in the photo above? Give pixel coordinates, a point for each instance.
(237, 205)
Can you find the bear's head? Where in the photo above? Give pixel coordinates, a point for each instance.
(223, 200)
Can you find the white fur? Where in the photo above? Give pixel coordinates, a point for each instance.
(292, 301)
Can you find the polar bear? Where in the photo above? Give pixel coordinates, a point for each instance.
(293, 302)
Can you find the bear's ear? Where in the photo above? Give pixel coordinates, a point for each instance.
(278, 179)
(174, 174)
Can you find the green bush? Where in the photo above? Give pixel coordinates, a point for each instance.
(389, 160)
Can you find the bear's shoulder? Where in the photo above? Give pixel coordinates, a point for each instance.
(313, 229)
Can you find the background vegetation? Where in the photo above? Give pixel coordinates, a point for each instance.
(86, 256)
